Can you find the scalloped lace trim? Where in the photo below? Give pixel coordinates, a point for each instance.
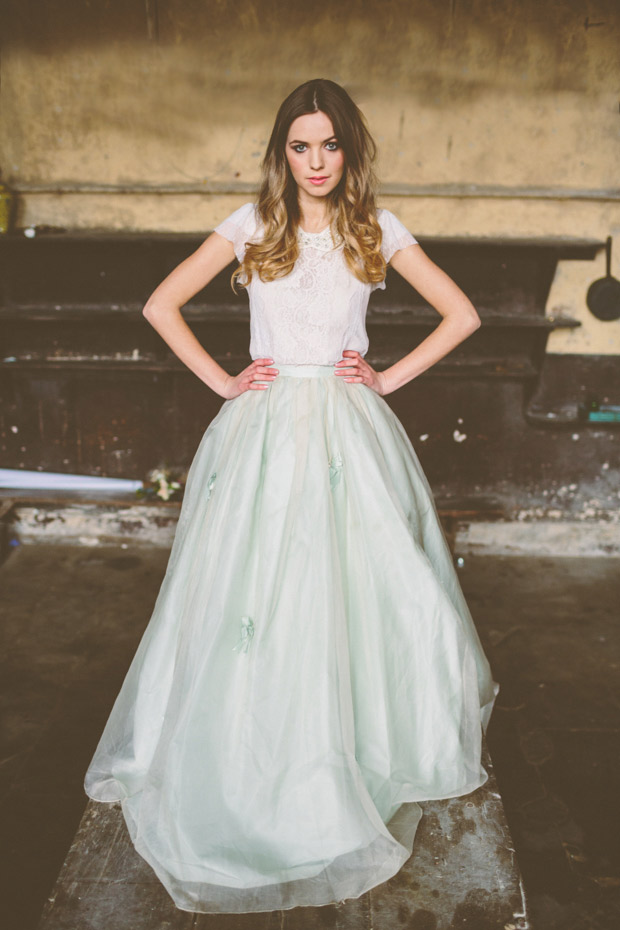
(322, 241)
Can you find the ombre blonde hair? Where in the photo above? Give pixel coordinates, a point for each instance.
(351, 205)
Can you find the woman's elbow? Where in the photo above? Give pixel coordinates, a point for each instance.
(476, 322)
(472, 320)
(147, 309)
(465, 318)
(152, 309)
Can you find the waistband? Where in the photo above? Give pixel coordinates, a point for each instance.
(307, 371)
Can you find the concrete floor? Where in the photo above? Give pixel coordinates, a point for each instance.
(72, 617)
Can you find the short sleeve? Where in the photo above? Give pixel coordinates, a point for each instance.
(395, 235)
(239, 228)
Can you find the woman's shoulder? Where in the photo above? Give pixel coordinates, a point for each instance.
(388, 220)
(395, 234)
(244, 216)
(239, 227)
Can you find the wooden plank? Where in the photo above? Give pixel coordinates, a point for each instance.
(463, 872)
(392, 314)
(6, 506)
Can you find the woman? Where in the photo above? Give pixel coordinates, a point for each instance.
(311, 669)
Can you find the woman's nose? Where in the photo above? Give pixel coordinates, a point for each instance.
(316, 160)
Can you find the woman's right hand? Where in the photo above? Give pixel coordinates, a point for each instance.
(245, 380)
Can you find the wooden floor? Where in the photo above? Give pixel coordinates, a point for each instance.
(463, 873)
(72, 617)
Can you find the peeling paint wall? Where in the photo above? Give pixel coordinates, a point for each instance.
(492, 119)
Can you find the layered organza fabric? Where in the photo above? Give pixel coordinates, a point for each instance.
(311, 669)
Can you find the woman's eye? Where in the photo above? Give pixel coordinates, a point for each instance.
(300, 147)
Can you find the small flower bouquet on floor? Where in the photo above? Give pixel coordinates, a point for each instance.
(163, 482)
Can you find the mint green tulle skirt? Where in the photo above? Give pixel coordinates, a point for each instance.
(311, 670)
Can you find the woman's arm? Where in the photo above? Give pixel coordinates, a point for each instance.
(163, 311)
(460, 318)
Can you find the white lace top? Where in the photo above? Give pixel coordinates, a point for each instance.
(319, 309)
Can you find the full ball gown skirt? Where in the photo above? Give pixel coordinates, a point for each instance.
(311, 669)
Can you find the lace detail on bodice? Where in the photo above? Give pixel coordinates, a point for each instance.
(318, 310)
(323, 240)
(309, 312)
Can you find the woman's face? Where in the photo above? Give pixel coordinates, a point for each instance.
(314, 154)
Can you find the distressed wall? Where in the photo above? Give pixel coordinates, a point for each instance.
(492, 119)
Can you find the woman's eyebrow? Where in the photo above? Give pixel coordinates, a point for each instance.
(301, 142)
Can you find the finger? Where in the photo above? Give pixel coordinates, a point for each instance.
(261, 369)
(259, 384)
(262, 375)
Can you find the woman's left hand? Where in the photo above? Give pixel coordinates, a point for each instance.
(357, 369)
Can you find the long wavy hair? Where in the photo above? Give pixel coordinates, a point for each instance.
(351, 205)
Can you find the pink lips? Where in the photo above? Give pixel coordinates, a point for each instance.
(317, 181)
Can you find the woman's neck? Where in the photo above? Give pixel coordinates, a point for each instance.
(313, 214)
